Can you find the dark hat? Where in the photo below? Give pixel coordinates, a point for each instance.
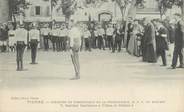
(57, 26)
(177, 14)
(46, 25)
(34, 24)
(21, 25)
(63, 24)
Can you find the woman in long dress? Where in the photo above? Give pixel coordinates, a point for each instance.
(138, 33)
(131, 43)
(134, 43)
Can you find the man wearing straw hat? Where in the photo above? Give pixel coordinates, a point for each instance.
(75, 43)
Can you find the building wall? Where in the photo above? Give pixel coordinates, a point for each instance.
(109, 7)
(45, 11)
(4, 11)
(151, 4)
(83, 14)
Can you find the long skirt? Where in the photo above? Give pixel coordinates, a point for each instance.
(151, 54)
(137, 46)
(131, 45)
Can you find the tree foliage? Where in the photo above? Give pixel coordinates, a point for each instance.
(127, 5)
(94, 3)
(17, 7)
(168, 4)
(70, 6)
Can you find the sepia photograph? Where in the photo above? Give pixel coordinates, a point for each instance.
(91, 55)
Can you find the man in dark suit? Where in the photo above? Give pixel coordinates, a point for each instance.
(118, 39)
(3, 36)
(179, 44)
(161, 42)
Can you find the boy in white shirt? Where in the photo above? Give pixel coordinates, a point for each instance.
(45, 32)
(34, 37)
(54, 34)
(110, 31)
(11, 39)
(86, 36)
(101, 34)
(21, 42)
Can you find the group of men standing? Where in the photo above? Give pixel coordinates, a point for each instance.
(179, 43)
(156, 41)
(57, 36)
(19, 40)
(110, 37)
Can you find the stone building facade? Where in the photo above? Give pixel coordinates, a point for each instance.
(40, 10)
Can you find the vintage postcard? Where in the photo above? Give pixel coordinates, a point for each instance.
(91, 56)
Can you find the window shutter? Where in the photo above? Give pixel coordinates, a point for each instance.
(32, 11)
(48, 13)
(45, 11)
(41, 11)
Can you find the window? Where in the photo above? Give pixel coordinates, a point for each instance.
(105, 16)
(37, 10)
(151, 4)
(48, 11)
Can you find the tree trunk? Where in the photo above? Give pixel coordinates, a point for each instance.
(130, 11)
(14, 23)
(4, 11)
(182, 11)
(160, 10)
(67, 18)
(4, 17)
